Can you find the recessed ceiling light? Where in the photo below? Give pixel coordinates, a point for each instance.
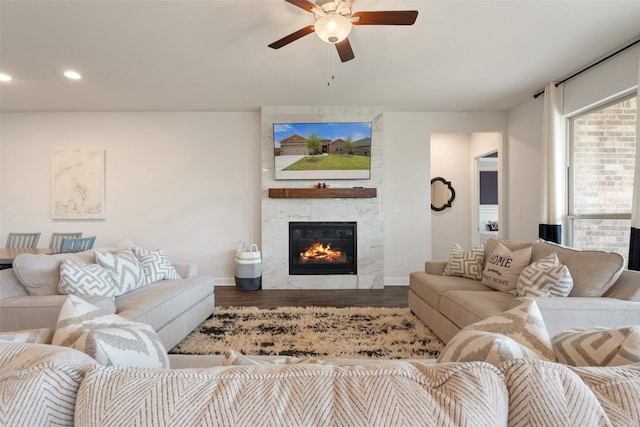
(5, 77)
(72, 75)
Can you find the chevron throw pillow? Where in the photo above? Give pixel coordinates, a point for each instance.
(127, 270)
(108, 338)
(157, 265)
(86, 279)
(598, 346)
(32, 336)
(503, 268)
(546, 277)
(465, 264)
(519, 333)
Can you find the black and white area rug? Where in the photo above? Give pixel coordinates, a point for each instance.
(390, 333)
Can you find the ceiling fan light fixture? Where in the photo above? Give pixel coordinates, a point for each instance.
(332, 28)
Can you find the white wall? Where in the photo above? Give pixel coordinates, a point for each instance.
(407, 177)
(605, 81)
(451, 159)
(612, 78)
(189, 182)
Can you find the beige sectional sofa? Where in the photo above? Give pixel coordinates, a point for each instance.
(604, 294)
(41, 385)
(173, 308)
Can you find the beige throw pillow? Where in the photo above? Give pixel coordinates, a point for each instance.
(598, 346)
(545, 278)
(465, 264)
(108, 338)
(30, 336)
(519, 333)
(503, 268)
(86, 279)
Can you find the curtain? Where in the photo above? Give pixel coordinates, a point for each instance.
(634, 244)
(553, 175)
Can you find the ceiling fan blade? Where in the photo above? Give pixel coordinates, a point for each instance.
(390, 17)
(292, 37)
(344, 50)
(306, 5)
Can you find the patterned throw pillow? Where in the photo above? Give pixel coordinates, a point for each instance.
(598, 346)
(545, 278)
(504, 267)
(128, 272)
(232, 357)
(465, 264)
(86, 279)
(515, 334)
(29, 336)
(156, 264)
(108, 338)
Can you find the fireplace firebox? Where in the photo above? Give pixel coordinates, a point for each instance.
(322, 248)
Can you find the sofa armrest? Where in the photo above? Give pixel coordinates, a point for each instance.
(435, 267)
(627, 287)
(186, 270)
(560, 314)
(41, 311)
(10, 285)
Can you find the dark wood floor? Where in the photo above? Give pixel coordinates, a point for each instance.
(391, 296)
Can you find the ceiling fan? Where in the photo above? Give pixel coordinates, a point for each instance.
(333, 21)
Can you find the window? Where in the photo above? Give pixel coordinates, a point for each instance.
(602, 161)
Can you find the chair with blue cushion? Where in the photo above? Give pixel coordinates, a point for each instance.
(23, 240)
(79, 244)
(57, 238)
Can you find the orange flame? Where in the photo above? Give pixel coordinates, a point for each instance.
(318, 252)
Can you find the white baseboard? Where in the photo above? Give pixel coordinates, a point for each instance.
(388, 281)
(396, 281)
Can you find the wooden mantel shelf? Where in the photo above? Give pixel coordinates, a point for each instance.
(322, 193)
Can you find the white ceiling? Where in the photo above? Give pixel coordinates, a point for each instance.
(212, 55)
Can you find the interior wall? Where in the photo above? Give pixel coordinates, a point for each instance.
(189, 182)
(407, 179)
(612, 78)
(450, 159)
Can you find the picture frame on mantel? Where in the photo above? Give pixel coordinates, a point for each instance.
(322, 151)
(78, 184)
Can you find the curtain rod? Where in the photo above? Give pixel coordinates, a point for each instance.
(577, 73)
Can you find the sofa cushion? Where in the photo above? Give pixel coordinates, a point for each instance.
(617, 389)
(465, 264)
(40, 274)
(39, 384)
(545, 278)
(108, 338)
(593, 272)
(430, 287)
(598, 346)
(550, 394)
(33, 336)
(466, 307)
(503, 268)
(517, 333)
(86, 279)
(127, 270)
(296, 395)
(156, 264)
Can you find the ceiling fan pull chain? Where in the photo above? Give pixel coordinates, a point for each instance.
(330, 74)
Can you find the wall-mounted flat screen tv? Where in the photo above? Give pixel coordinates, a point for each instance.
(322, 151)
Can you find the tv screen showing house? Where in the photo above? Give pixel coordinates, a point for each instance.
(322, 151)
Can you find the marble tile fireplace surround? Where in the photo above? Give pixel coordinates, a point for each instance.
(277, 213)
